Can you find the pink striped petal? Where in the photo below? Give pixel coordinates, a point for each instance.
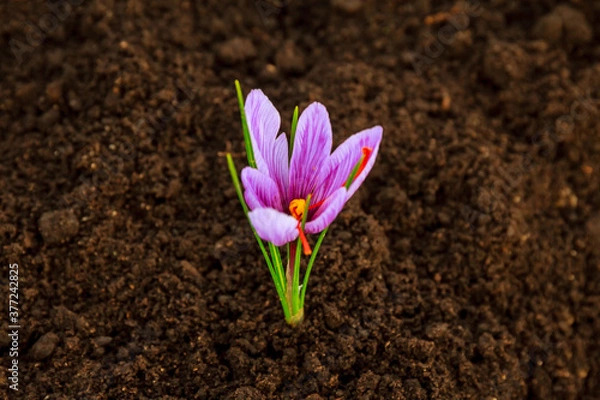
(340, 165)
(312, 146)
(260, 190)
(278, 164)
(327, 212)
(263, 123)
(274, 226)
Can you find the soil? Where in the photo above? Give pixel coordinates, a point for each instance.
(466, 267)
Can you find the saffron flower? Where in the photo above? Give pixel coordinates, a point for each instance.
(298, 188)
(277, 189)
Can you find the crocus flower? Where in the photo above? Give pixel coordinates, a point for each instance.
(276, 191)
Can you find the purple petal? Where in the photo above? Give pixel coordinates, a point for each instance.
(263, 123)
(312, 146)
(278, 165)
(260, 190)
(274, 226)
(327, 212)
(343, 160)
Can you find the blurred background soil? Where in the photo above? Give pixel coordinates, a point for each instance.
(466, 267)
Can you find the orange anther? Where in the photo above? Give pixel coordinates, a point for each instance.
(297, 207)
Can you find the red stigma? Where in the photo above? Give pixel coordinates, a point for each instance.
(297, 208)
(304, 241)
(366, 151)
(313, 206)
(366, 154)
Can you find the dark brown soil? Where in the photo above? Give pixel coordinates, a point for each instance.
(466, 267)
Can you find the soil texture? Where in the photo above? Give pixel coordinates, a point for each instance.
(466, 267)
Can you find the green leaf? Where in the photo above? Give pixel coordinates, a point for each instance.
(278, 267)
(293, 130)
(246, 131)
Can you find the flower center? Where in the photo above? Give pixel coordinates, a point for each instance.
(297, 208)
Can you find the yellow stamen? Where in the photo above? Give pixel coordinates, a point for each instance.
(297, 208)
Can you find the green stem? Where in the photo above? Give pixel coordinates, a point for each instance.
(293, 273)
(278, 265)
(291, 264)
(296, 280)
(278, 278)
